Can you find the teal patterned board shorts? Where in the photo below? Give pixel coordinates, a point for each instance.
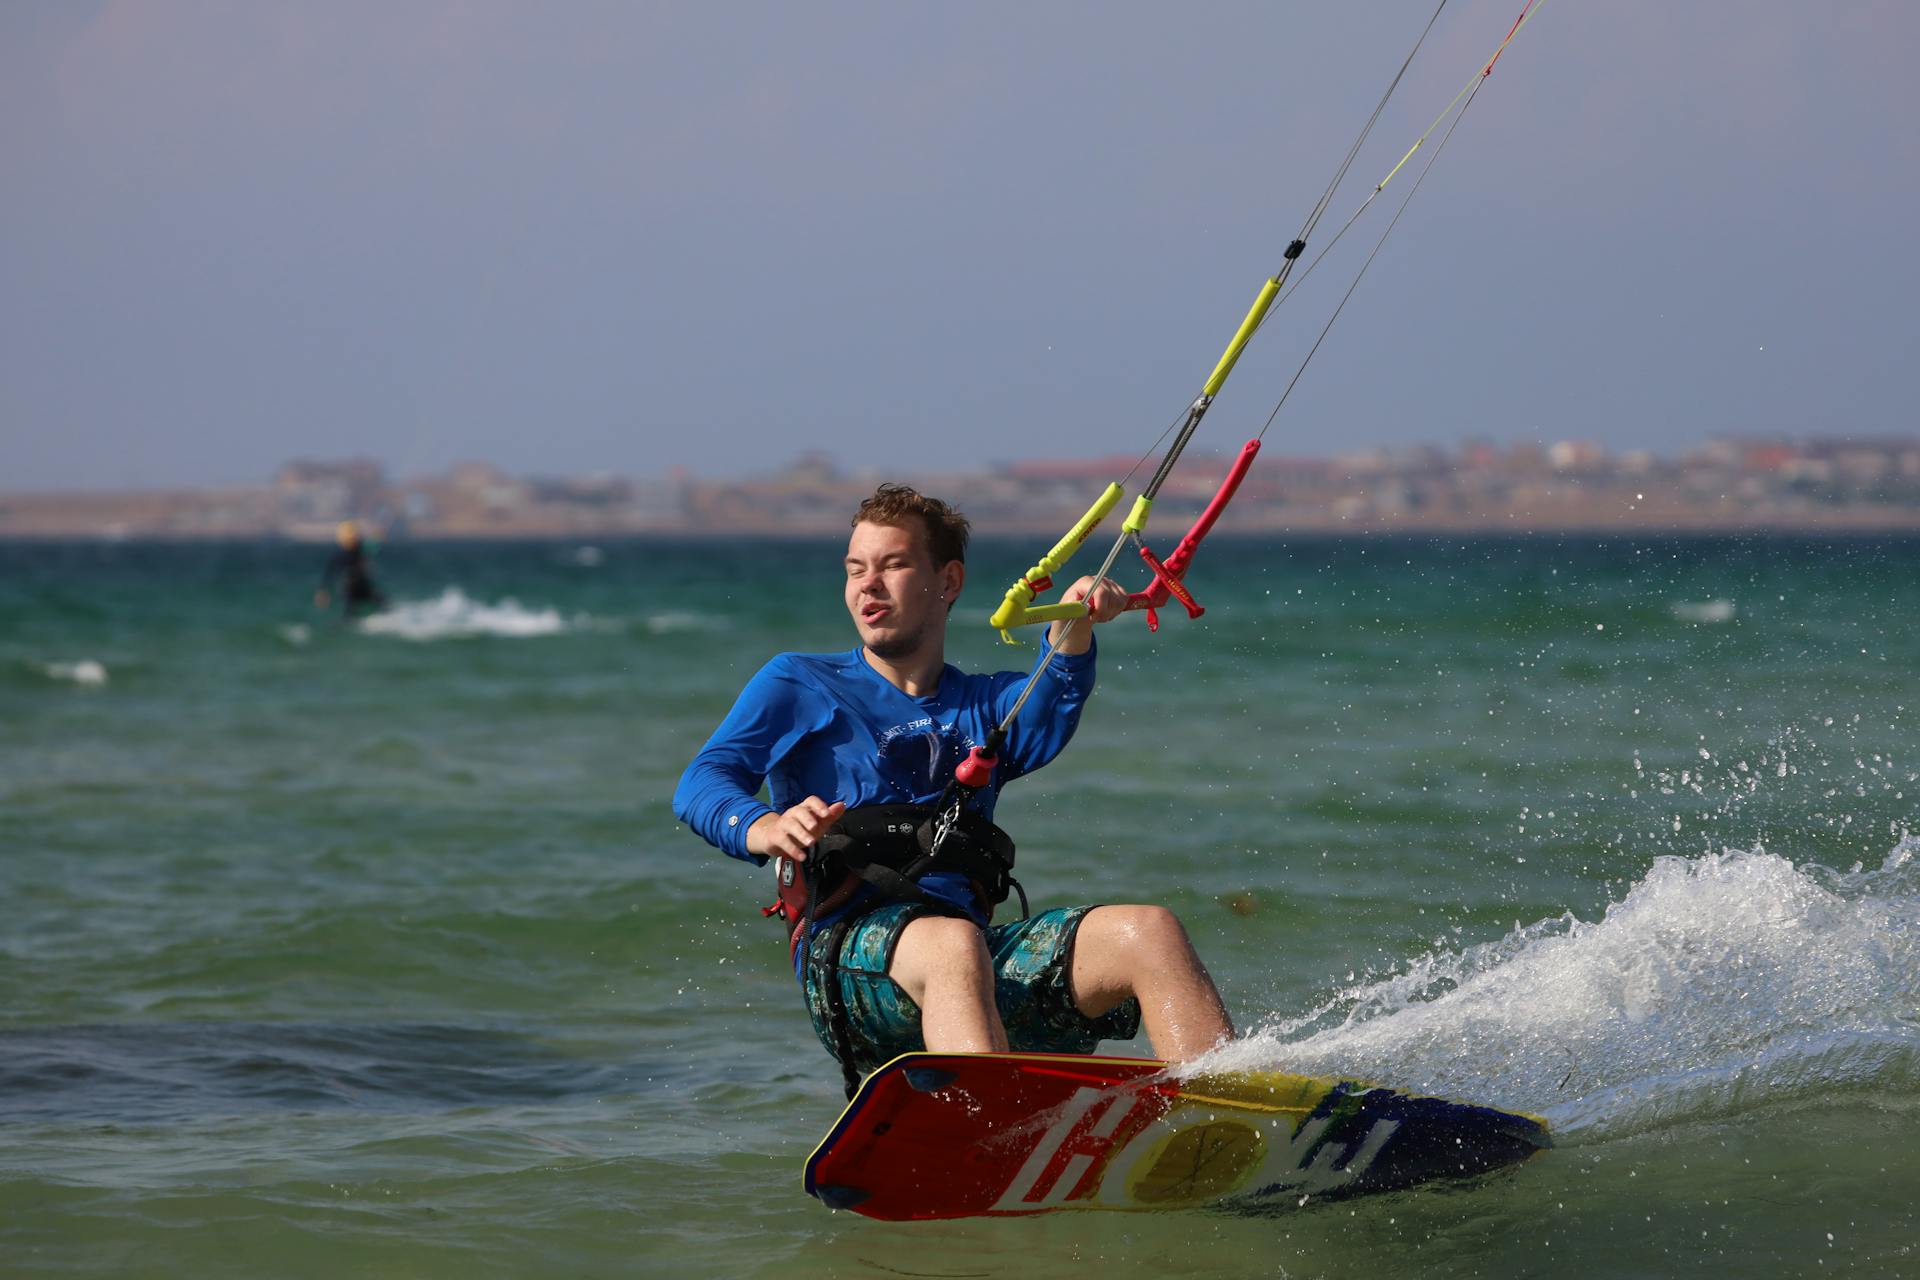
(1032, 959)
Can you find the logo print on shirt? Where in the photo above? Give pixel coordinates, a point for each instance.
(920, 756)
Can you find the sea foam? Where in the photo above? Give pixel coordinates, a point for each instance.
(675, 621)
(453, 614)
(1717, 983)
(1704, 611)
(87, 671)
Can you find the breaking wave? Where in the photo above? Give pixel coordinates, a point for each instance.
(1717, 984)
(453, 614)
(86, 672)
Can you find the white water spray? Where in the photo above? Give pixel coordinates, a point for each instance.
(1716, 984)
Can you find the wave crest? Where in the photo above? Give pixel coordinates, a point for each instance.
(453, 614)
(87, 672)
(1716, 983)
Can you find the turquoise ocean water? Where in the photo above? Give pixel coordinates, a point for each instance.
(375, 950)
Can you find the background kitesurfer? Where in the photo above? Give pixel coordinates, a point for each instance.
(885, 724)
(347, 567)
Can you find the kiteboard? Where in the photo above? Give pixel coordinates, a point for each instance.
(968, 1135)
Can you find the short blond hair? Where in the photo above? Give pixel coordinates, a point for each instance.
(899, 505)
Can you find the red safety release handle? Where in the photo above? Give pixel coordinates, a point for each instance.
(1168, 574)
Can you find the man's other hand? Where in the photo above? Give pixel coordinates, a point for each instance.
(1106, 599)
(793, 833)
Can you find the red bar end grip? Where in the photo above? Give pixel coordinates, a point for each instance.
(976, 770)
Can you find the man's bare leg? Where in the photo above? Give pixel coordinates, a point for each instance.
(942, 962)
(1145, 952)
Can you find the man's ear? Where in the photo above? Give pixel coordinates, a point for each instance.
(953, 581)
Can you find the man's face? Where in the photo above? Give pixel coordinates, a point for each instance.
(896, 594)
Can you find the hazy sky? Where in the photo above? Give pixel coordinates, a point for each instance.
(572, 237)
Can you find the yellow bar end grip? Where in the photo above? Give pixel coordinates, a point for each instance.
(1041, 613)
(1255, 314)
(1056, 612)
(1137, 518)
(1013, 610)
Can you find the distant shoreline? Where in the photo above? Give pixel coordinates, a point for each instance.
(1570, 488)
(1836, 529)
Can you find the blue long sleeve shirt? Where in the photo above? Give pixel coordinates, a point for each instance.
(829, 725)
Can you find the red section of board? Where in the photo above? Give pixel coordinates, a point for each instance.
(1020, 1140)
(966, 1135)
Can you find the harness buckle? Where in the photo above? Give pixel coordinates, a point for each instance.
(943, 827)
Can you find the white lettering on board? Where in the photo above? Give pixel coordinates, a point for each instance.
(1302, 1163)
(1025, 1191)
(1288, 1168)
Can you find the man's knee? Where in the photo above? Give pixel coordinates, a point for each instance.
(939, 945)
(1141, 931)
(945, 935)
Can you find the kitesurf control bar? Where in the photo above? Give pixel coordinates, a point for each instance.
(1014, 610)
(1018, 609)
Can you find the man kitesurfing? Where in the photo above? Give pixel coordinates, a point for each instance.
(981, 1094)
(346, 570)
(884, 764)
(888, 877)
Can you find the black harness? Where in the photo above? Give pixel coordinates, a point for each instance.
(891, 847)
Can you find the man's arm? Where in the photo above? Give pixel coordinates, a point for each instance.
(1062, 683)
(792, 834)
(718, 794)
